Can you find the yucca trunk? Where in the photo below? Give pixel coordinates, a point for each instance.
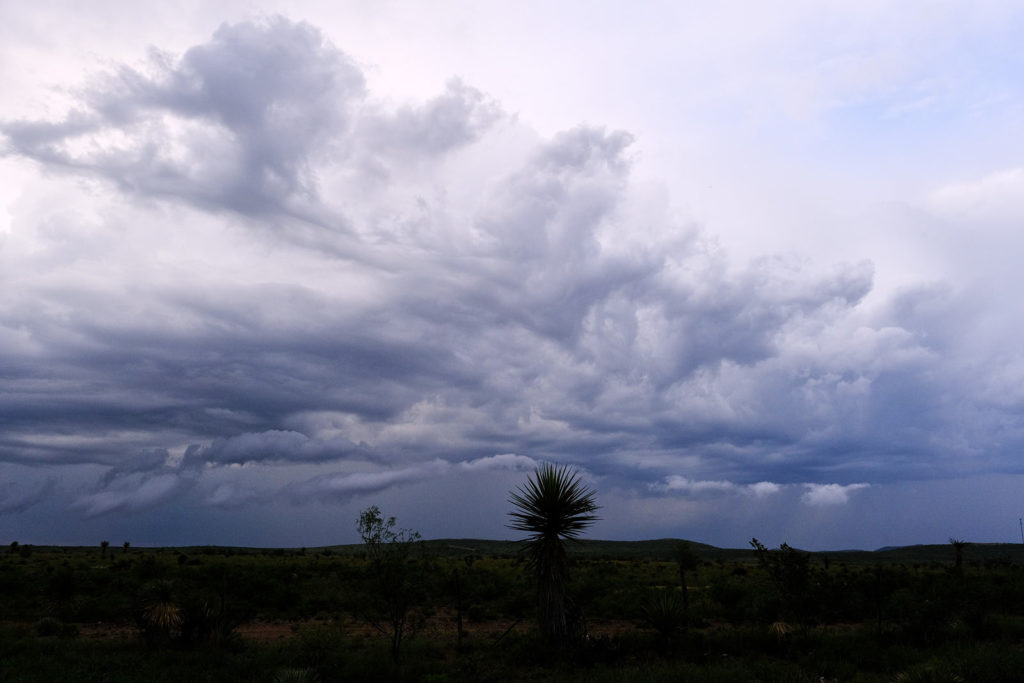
(558, 617)
(552, 577)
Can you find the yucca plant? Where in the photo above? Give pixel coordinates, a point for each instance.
(665, 612)
(552, 506)
(958, 553)
(161, 615)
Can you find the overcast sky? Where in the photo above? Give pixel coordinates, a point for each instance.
(752, 268)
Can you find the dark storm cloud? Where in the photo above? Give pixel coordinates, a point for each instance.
(273, 445)
(16, 498)
(141, 462)
(229, 496)
(133, 494)
(237, 368)
(334, 487)
(545, 316)
(344, 486)
(546, 268)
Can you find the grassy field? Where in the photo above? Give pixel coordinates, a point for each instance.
(311, 614)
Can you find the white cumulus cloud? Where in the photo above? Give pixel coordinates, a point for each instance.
(829, 494)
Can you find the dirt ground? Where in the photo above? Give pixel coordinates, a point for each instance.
(439, 627)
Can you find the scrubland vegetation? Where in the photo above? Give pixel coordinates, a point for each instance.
(222, 614)
(552, 607)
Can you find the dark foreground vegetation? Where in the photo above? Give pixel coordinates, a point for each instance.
(468, 612)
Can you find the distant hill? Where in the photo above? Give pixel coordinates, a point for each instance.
(664, 548)
(660, 549)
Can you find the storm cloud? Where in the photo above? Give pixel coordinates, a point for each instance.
(240, 259)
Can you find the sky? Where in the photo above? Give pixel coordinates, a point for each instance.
(751, 269)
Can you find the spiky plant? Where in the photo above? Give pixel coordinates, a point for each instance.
(161, 615)
(665, 612)
(553, 505)
(296, 676)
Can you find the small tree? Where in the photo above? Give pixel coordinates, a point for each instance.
(103, 548)
(393, 576)
(790, 572)
(125, 546)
